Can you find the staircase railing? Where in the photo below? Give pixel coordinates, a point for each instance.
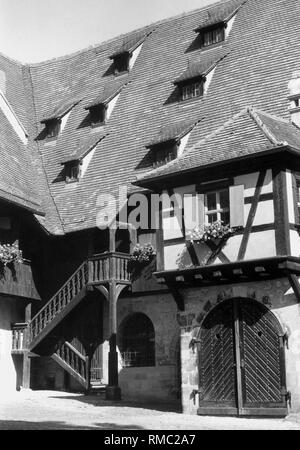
(109, 266)
(98, 269)
(75, 360)
(59, 301)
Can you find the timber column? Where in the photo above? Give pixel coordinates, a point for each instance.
(113, 391)
(26, 358)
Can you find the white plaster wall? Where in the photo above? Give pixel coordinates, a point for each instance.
(13, 119)
(171, 254)
(264, 213)
(261, 245)
(290, 197)
(64, 121)
(111, 105)
(134, 56)
(250, 180)
(86, 161)
(295, 243)
(10, 312)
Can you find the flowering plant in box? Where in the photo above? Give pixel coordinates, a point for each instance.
(10, 253)
(213, 231)
(142, 255)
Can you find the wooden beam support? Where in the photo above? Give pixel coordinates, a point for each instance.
(293, 279)
(179, 299)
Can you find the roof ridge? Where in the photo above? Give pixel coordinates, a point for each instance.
(123, 35)
(263, 127)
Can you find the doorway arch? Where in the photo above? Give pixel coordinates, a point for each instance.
(241, 361)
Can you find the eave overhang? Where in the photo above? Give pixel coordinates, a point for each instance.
(178, 177)
(230, 273)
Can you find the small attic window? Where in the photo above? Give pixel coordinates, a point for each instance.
(121, 63)
(72, 171)
(212, 35)
(191, 89)
(164, 153)
(97, 115)
(52, 128)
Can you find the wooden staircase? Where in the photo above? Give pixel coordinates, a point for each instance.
(58, 307)
(77, 365)
(98, 270)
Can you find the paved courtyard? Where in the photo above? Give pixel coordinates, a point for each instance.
(50, 410)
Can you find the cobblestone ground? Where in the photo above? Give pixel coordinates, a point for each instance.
(49, 410)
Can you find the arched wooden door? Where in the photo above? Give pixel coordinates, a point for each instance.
(241, 361)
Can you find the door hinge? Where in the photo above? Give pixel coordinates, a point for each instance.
(193, 343)
(193, 395)
(288, 398)
(285, 338)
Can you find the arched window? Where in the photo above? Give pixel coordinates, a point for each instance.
(138, 341)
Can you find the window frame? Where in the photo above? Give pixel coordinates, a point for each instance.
(170, 151)
(189, 84)
(209, 31)
(69, 178)
(122, 58)
(52, 129)
(102, 114)
(218, 211)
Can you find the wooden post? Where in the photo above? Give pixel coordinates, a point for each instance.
(113, 391)
(26, 359)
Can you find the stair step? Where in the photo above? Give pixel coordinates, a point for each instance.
(97, 388)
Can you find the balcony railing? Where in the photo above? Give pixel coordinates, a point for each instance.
(19, 337)
(109, 266)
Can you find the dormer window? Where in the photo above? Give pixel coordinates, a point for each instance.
(56, 119)
(164, 153)
(72, 171)
(97, 115)
(191, 89)
(121, 63)
(170, 142)
(212, 35)
(52, 128)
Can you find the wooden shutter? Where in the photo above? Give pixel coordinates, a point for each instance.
(193, 211)
(236, 203)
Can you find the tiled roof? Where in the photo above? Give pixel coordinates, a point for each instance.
(107, 94)
(202, 67)
(219, 14)
(251, 131)
(262, 52)
(130, 43)
(60, 110)
(85, 146)
(172, 132)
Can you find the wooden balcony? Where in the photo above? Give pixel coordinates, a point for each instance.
(19, 337)
(109, 266)
(18, 280)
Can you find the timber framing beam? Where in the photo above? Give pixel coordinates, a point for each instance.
(235, 272)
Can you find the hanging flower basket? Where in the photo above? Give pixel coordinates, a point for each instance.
(214, 235)
(215, 231)
(141, 256)
(9, 254)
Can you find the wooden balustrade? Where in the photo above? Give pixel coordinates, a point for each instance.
(109, 266)
(59, 301)
(99, 269)
(19, 337)
(74, 359)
